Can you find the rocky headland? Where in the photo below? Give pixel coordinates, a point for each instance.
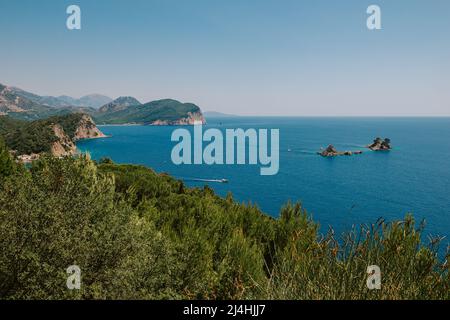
(56, 135)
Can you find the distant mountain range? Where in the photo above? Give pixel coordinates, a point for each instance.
(23, 105)
(89, 101)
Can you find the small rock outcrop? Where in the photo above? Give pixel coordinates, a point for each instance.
(380, 145)
(331, 151)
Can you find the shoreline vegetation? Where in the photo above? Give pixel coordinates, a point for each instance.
(137, 234)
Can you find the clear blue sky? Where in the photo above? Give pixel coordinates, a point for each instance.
(260, 57)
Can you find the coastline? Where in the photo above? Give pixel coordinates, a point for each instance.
(120, 125)
(93, 138)
(145, 125)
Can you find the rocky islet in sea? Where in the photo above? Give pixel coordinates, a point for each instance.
(377, 145)
(380, 145)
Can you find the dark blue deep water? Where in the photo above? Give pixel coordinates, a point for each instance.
(412, 178)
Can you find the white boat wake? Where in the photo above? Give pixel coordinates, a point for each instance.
(206, 180)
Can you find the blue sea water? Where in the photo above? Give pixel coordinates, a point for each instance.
(340, 192)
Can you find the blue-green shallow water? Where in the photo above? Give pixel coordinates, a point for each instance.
(340, 192)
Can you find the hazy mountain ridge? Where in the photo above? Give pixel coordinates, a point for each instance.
(94, 100)
(90, 101)
(120, 103)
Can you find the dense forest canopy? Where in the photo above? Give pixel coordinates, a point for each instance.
(137, 234)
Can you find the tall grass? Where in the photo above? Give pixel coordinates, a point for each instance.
(332, 269)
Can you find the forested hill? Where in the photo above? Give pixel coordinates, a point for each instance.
(136, 234)
(160, 112)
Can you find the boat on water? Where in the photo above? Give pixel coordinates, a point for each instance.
(206, 180)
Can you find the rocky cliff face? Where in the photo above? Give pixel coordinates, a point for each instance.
(191, 119)
(64, 146)
(87, 129)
